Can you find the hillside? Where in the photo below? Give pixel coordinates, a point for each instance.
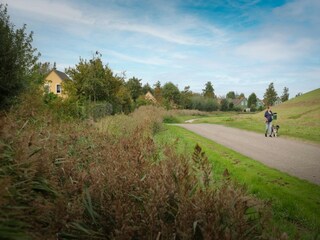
(298, 118)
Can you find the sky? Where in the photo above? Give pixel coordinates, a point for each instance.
(237, 45)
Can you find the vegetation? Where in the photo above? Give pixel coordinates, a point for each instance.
(69, 172)
(295, 202)
(252, 102)
(208, 91)
(285, 94)
(270, 96)
(17, 59)
(84, 180)
(298, 118)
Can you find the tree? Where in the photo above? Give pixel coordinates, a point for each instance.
(224, 105)
(285, 94)
(146, 88)
(231, 95)
(158, 92)
(208, 91)
(241, 95)
(185, 97)
(93, 81)
(17, 59)
(252, 100)
(270, 95)
(134, 87)
(171, 93)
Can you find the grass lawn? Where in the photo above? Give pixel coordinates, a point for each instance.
(298, 118)
(295, 202)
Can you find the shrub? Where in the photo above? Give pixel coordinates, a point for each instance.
(67, 180)
(204, 104)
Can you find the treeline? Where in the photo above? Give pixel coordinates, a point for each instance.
(94, 89)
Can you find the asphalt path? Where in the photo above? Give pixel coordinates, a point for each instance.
(294, 157)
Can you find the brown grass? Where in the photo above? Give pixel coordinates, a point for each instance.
(70, 181)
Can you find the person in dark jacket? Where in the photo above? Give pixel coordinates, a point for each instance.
(268, 116)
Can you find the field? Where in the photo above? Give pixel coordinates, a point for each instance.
(295, 202)
(297, 118)
(131, 176)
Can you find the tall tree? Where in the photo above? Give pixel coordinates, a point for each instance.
(285, 94)
(241, 95)
(224, 105)
(231, 95)
(185, 97)
(146, 88)
(17, 58)
(270, 96)
(135, 87)
(208, 91)
(93, 81)
(158, 92)
(171, 93)
(252, 100)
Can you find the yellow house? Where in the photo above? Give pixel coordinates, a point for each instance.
(53, 82)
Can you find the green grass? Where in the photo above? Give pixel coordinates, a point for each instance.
(295, 202)
(298, 118)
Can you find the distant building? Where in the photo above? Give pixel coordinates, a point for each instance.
(240, 103)
(277, 102)
(150, 97)
(259, 103)
(53, 82)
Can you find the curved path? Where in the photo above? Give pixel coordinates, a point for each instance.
(293, 157)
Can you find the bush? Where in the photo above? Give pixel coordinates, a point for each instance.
(69, 181)
(204, 104)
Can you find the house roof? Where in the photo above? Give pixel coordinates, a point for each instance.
(150, 97)
(62, 75)
(237, 101)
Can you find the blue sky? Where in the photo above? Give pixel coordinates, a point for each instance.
(239, 46)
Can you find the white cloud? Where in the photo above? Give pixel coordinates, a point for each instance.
(275, 49)
(51, 10)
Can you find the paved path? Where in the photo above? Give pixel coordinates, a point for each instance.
(294, 157)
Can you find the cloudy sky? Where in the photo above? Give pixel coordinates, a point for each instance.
(238, 45)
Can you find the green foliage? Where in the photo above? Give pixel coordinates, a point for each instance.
(135, 88)
(71, 181)
(252, 100)
(203, 104)
(224, 105)
(286, 194)
(94, 82)
(185, 98)
(158, 92)
(208, 91)
(231, 95)
(299, 116)
(270, 96)
(17, 59)
(146, 88)
(285, 94)
(171, 93)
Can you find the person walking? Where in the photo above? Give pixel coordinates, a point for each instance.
(268, 116)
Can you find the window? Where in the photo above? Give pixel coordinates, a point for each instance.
(58, 88)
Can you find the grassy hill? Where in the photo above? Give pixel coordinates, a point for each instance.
(298, 118)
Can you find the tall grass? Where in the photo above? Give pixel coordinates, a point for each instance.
(109, 180)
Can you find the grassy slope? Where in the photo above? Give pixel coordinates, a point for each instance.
(296, 203)
(298, 118)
